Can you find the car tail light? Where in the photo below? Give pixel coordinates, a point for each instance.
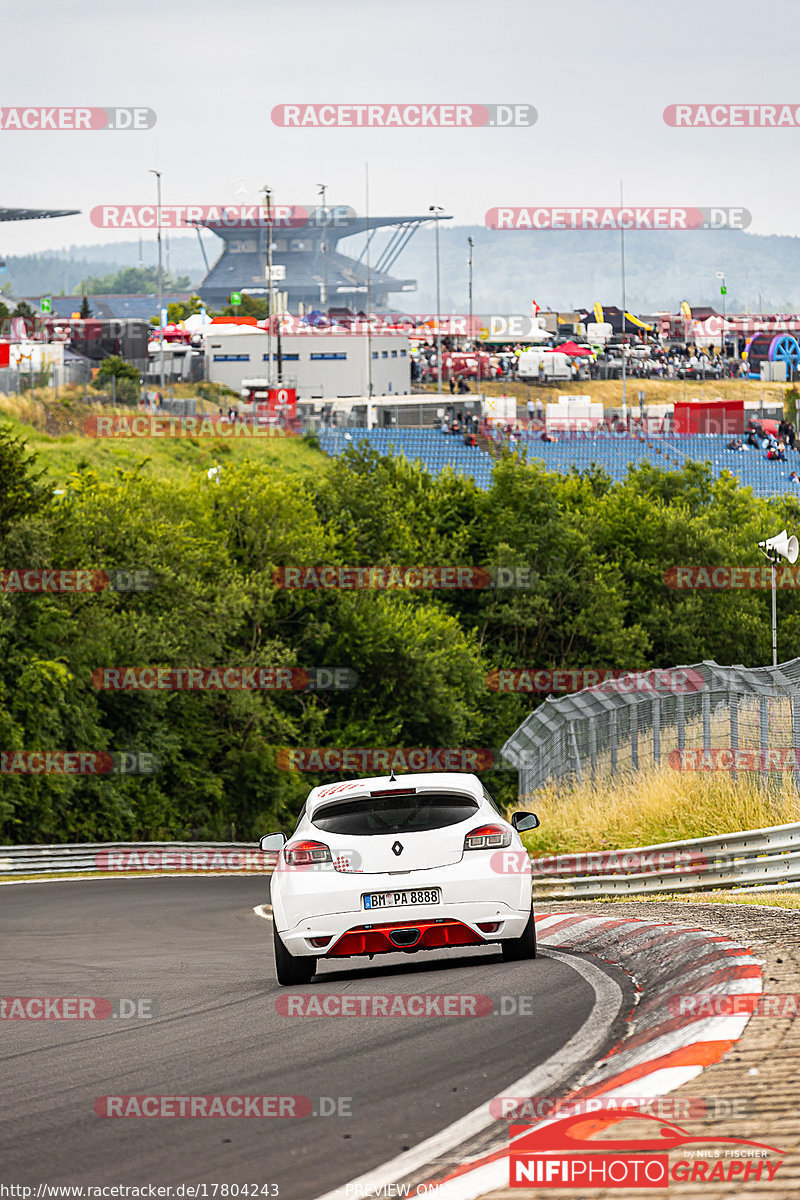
(488, 926)
(306, 854)
(319, 942)
(487, 837)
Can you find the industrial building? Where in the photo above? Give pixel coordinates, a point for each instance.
(317, 364)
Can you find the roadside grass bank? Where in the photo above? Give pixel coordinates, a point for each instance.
(656, 806)
(55, 432)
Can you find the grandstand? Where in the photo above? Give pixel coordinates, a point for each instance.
(434, 449)
(614, 453)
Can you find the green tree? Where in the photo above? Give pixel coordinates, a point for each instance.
(85, 309)
(127, 387)
(133, 281)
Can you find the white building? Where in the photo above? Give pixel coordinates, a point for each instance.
(318, 364)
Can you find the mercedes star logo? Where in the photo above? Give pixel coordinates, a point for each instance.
(397, 848)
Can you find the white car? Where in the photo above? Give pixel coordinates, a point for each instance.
(420, 862)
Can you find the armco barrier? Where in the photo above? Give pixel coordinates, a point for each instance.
(155, 858)
(751, 857)
(748, 858)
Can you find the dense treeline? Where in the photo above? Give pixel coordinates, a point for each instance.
(597, 554)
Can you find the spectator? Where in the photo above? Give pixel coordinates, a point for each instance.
(548, 437)
(794, 477)
(531, 407)
(734, 444)
(539, 409)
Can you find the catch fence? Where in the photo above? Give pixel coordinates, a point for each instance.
(700, 717)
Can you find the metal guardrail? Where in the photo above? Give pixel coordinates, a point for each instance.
(749, 858)
(156, 858)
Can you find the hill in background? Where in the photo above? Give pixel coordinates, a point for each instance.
(558, 270)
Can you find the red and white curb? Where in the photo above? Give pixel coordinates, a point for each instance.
(660, 1051)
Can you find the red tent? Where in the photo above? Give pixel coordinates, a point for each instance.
(571, 350)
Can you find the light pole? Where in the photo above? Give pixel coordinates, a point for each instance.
(622, 268)
(436, 209)
(471, 244)
(322, 190)
(160, 283)
(780, 546)
(723, 291)
(268, 200)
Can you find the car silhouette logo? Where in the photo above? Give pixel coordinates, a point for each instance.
(397, 848)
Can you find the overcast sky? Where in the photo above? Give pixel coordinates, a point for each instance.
(599, 75)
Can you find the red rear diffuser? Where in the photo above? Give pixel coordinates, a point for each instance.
(376, 939)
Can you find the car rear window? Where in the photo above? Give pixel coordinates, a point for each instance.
(394, 814)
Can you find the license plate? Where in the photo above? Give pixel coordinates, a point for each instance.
(408, 896)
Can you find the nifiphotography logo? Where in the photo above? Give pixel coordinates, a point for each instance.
(567, 1152)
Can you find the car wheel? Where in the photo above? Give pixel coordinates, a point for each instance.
(290, 969)
(521, 947)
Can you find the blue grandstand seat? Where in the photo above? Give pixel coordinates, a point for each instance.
(613, 454)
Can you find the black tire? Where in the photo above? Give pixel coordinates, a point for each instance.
(524, 946)
(290, 969)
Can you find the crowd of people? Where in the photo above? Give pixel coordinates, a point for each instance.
(644, 359)
(772, 445)
(468, 426)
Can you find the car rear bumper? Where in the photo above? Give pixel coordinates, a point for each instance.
(341, 935)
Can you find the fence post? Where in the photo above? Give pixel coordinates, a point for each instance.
(612, 739)
(763, 722)
(577, 767)
(633, 715)
(592, 746)
(656, 731)
(733, 709)
(680, 722)
(795, 703)
(706, 701)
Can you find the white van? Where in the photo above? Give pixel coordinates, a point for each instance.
(556, 366)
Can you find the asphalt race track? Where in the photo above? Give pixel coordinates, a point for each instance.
(194, 947)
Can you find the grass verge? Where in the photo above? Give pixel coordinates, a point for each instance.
(653, 807)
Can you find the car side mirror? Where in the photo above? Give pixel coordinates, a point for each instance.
(523, 821)
(274, 841)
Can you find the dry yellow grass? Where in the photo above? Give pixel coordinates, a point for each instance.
(656, 391)
(780, 898)
(656, 806)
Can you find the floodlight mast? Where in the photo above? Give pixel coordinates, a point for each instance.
(780, 546)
